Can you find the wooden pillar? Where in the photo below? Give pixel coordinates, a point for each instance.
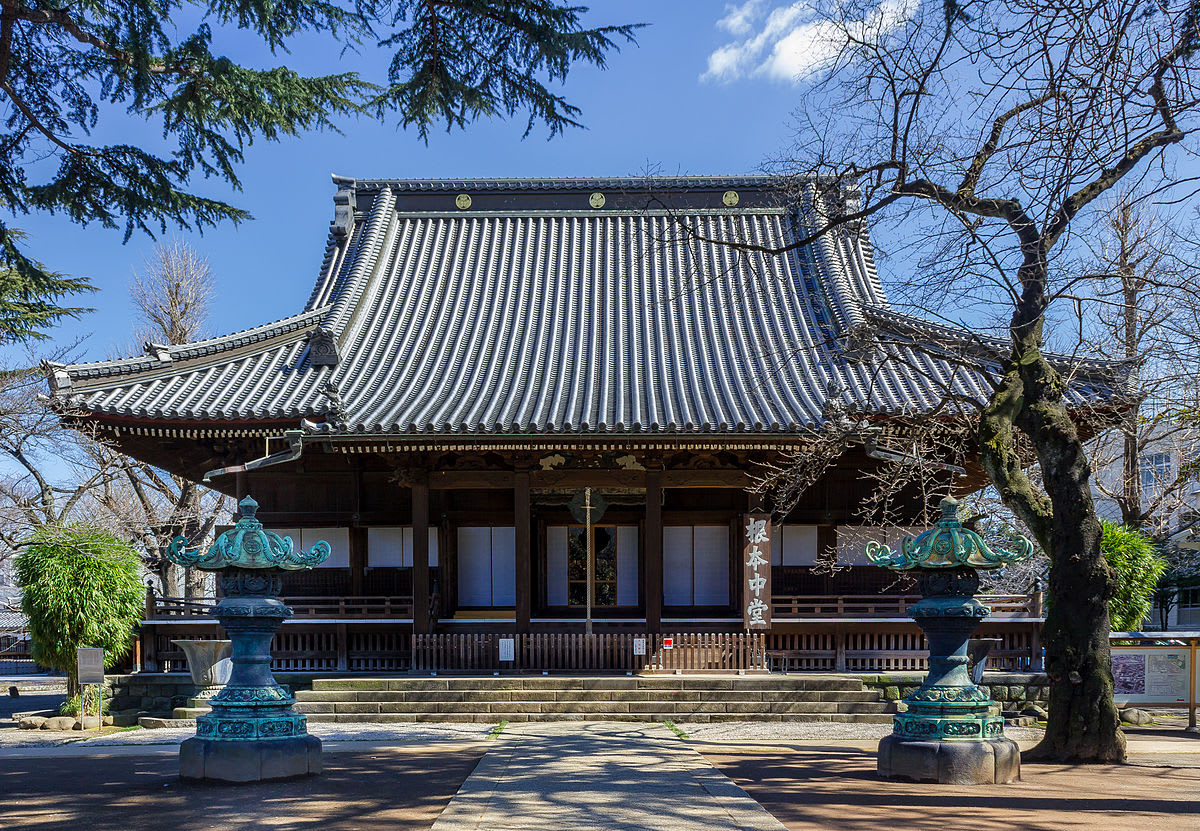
(420, 569)
(654, 551)
(358, 560)
(521, 520)
(342, 637)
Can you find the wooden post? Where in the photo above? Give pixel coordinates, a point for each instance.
(524, 578)
(358, 560)
(343, 662)
(654, 552)
(839, 646)
(420, 567)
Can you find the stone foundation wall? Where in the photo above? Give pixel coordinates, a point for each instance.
(1011, 690)
(158, 693)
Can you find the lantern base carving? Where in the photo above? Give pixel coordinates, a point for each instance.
(994, 761)
(249, 761)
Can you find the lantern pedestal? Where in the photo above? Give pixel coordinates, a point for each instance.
(252, 733)
(949, 734)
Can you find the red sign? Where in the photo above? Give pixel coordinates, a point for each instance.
(668, 643)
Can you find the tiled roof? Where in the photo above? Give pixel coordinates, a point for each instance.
(534, 311)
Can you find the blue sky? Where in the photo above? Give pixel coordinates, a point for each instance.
(707, 90)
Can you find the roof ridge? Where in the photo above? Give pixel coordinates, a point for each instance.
(194, 349)
(891, 315)
(558, 182)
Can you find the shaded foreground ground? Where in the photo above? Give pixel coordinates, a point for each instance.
(366, 789)
(835, 788)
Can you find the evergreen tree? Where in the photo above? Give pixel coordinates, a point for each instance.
(80, 587)
(67, 67)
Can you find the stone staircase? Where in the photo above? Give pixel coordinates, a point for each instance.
(811, 698)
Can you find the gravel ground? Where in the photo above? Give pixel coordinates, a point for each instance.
(423, 732)
(796, 731)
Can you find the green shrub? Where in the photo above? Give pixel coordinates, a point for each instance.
(84, 699)
(81, 587)
(1137, 567)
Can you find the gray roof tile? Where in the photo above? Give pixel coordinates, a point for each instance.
(522, 319)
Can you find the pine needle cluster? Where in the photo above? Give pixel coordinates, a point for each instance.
(69, 70)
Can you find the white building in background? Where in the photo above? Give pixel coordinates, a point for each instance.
(1176, 507)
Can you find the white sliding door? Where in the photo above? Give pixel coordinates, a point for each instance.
(696, 565)
(487, 563)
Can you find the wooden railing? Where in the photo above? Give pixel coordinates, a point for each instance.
(691, 652)
(350, 608)
(890, 605)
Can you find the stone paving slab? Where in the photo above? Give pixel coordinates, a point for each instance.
(599, 776)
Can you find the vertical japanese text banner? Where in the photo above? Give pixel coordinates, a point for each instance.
(756, 571)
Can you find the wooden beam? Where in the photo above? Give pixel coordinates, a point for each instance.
(654, 552)
(596, 478)
(420, 570)
(524, 578)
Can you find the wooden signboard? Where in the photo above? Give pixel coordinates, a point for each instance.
(756, 571)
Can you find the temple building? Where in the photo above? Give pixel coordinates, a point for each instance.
(484, 366)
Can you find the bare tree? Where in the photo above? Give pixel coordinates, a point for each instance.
(60, 472)
(171, 298)
(172, 295)
(51, 473)
(990, 129)
(1143, 308)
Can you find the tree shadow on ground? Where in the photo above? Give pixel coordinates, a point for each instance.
(836, 788)
(369, 789)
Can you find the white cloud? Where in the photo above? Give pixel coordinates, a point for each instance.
(739, 20)
(789, 43)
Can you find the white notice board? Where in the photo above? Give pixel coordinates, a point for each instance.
(508, 651)
(89, 666)
(1156, 675)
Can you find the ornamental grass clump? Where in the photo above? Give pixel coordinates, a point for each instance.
(1137, 567)
(81, 587)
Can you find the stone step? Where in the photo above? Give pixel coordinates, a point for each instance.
(493, 718)
(492, 695)
(663, 682)
(748, 710)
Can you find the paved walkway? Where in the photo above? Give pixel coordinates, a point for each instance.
(587, 776)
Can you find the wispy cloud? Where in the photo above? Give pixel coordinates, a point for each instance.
(790, 42)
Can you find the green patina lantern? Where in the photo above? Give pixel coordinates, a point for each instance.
(252, 733)
(949, 733)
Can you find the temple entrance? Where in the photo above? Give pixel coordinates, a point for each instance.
(604, 565)
(614, 568)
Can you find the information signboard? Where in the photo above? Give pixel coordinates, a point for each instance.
(89, 666)
(508, 649)
(668, 643)
(1155, 675)
(639, 646)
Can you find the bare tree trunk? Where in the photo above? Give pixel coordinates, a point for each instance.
(1083, 723)
(195, 582)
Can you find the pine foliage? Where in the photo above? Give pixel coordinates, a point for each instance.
(1136, 566)
(80, 587)
(67, 70)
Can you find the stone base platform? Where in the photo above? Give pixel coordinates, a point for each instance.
(261, 760)
(986, 762)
